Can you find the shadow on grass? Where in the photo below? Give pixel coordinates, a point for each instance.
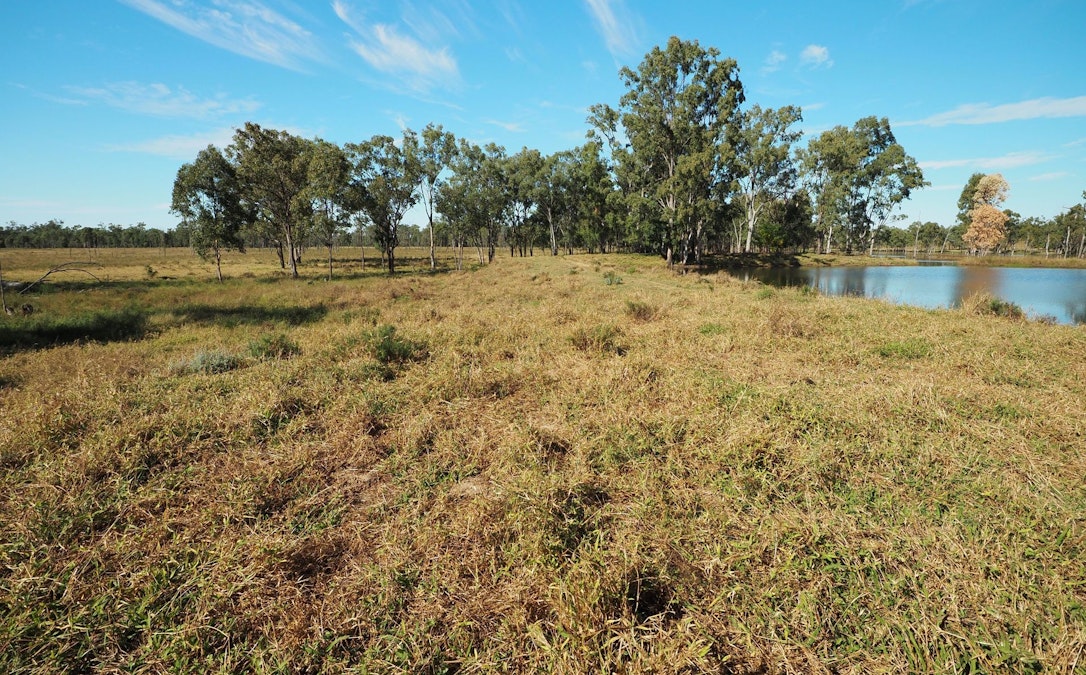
(249, 314)
(46, 331)
(732, 261)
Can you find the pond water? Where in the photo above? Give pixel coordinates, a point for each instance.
(1056, 293)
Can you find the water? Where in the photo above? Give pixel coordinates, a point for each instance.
(1056, 293)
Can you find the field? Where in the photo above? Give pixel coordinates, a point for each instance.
(573, 464)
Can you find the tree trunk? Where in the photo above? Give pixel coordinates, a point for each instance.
(554, 238)
(290, 250)
(391, 260)
(218, 265)
(433, 261)
(329, 262)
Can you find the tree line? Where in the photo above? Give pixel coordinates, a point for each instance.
(55, 234)
(680, 167)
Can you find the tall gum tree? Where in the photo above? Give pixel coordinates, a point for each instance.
(432, 152)
(858, 176)
(384, 181)
(328, 189)
(763, 164)
(673, 117)
(207, 196)
(273, 168)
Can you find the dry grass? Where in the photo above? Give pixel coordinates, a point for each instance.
(529, 468)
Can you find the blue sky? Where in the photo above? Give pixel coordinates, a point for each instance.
(103, 100)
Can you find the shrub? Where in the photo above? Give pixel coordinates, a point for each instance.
(209, 363)
(273, 346)
(391, 349)
(611, 278)
(986, 304)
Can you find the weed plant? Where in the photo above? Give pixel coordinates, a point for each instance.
(547, 480)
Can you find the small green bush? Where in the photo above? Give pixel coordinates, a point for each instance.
(391, 349)
(986, 304)
(611, 278)
(273, 346)
(209, 363)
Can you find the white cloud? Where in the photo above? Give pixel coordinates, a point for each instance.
(984, 113)
(773, 62)
(815, 56)
(513, 127)
(158, 99)
(1011, 160)
(245, 27)
(391, 52)
(616, 25)
(177, 146)
(1054, 175)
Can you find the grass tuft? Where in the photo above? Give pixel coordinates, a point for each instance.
(602, 339)
(209, 362)
(986, 304)
(912, 348)
(273, 346)
(641, 311)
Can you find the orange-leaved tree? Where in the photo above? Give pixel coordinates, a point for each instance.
(988, 226)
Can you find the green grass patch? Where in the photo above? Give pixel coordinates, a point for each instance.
(912, 348)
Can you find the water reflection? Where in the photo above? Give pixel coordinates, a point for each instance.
(1057, 293)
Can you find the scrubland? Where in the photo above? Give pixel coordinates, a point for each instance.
(574, 464)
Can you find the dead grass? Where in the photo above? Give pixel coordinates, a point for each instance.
(512, 470)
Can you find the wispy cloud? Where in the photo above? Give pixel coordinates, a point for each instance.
(1054, 175)
(245, 27)
(773, 62)
(1011, 160)
(513, 127)
(389, 51)
(815, 56)
(158, 99)
(617, 26)
(179, 146)
(985, 113)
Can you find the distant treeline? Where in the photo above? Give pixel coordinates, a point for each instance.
(55, 234)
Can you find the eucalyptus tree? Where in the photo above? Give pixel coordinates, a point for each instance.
(521, 175)
(384, 181)
(329, 192)
(827, 162)
(432, 154)
(858, 176)
(474, 200)
(273, 169)
(555, 195)
(207, 196)
(763, 163)
(668, 138)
